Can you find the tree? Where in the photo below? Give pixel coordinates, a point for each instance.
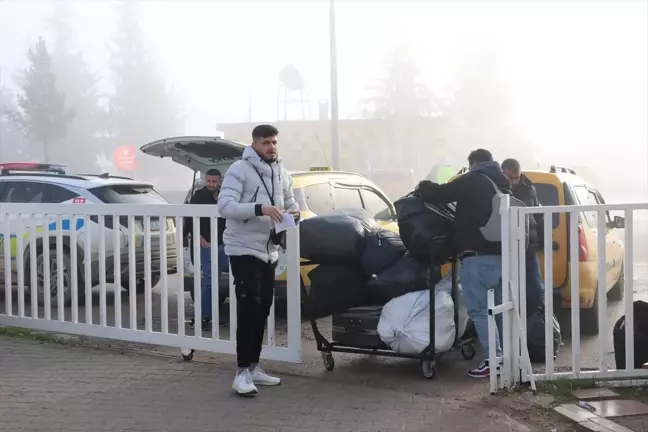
(79, 84)
(399, 93)
(481, 113)
(41, 113)
(141, 109)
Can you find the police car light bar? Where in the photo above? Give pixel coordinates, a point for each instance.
(30, 166)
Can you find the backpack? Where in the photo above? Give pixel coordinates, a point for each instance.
(492, 231)
(425, 229)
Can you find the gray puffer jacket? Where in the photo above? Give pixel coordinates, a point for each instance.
(242, 189)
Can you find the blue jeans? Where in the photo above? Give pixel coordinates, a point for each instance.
(478, 274)
(534, 283)
(206, 285)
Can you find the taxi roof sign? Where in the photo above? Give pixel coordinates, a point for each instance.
(325, 168)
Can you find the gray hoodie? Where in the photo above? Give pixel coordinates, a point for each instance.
(242, 189)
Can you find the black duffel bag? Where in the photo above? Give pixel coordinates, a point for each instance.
(405, 276)
(640, 332)
(536, 336)
(334, 238)
(335, 289)
(379, 250)
(425, 229)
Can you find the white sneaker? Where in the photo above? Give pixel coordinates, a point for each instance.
(261, 377)
(244, 385)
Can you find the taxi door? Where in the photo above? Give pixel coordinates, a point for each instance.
(551, 192)
(613, 247)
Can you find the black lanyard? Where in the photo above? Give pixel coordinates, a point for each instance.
(264, 183)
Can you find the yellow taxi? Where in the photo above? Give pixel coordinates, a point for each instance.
(318, 191)
(560, 186)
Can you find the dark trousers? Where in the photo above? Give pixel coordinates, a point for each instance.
(534, 283)
(254, 285)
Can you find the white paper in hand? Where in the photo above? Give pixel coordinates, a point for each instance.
(287, 221)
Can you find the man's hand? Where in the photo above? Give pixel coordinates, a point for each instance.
(295, 213)
(273, 212)
(204, 243)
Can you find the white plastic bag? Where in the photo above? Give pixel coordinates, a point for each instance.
(405, 321)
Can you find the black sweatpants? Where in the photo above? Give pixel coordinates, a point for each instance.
(254, 286)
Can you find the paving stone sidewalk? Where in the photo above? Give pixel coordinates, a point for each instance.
(45, 387)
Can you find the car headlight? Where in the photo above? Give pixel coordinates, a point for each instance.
(282, 263)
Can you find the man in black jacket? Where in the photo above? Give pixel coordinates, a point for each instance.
(481, 260)
(523, 189)
(208, 194)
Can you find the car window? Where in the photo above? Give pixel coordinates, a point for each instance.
(376, 205)
(127, 194)
(23, 192)
(600, 200)
(318, 198)
(548, 196)
(586, 197)
(346, 198)
(57, 194)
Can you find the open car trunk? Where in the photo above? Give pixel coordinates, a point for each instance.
(197, 153)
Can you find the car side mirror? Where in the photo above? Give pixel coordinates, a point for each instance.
(618, 222)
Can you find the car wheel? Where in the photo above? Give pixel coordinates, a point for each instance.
(589, 319)
(65, 290)
(618, 290)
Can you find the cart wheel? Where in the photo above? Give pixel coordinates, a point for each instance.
(468, 351)
(428, 368)
(187, 355)
(329, 361)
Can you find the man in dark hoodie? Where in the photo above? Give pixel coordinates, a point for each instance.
(208, 194)
(481, 260)
(523, 189)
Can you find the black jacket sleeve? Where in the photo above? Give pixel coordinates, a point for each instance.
(539, 217)
(188, 221)
(443, 193)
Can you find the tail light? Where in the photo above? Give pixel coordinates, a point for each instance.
(582, 245)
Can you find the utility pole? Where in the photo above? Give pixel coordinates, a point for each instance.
(335, 138)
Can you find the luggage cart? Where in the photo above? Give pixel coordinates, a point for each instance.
(428, 357)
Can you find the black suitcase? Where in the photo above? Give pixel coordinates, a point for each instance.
(357, 328)
(640, 309)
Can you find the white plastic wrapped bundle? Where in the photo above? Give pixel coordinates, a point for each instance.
(405, 321)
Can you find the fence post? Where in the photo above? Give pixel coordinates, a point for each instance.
(505, 331)
(293, 293)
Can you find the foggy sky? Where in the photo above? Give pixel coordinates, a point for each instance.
(578, 69)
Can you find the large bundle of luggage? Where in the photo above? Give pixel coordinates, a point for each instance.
(362, 267)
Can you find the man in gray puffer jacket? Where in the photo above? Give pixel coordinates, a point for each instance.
(256, 192)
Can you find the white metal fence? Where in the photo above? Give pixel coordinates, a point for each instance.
(587, 263)
(131, 247)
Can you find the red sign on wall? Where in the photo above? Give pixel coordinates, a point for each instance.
(124, 158)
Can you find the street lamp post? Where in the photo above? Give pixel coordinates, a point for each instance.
(335, 139)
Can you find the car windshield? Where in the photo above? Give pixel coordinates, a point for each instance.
(128, 194)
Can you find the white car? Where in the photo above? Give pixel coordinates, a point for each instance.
(44, 183)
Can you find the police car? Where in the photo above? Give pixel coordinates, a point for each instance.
(46, 183)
